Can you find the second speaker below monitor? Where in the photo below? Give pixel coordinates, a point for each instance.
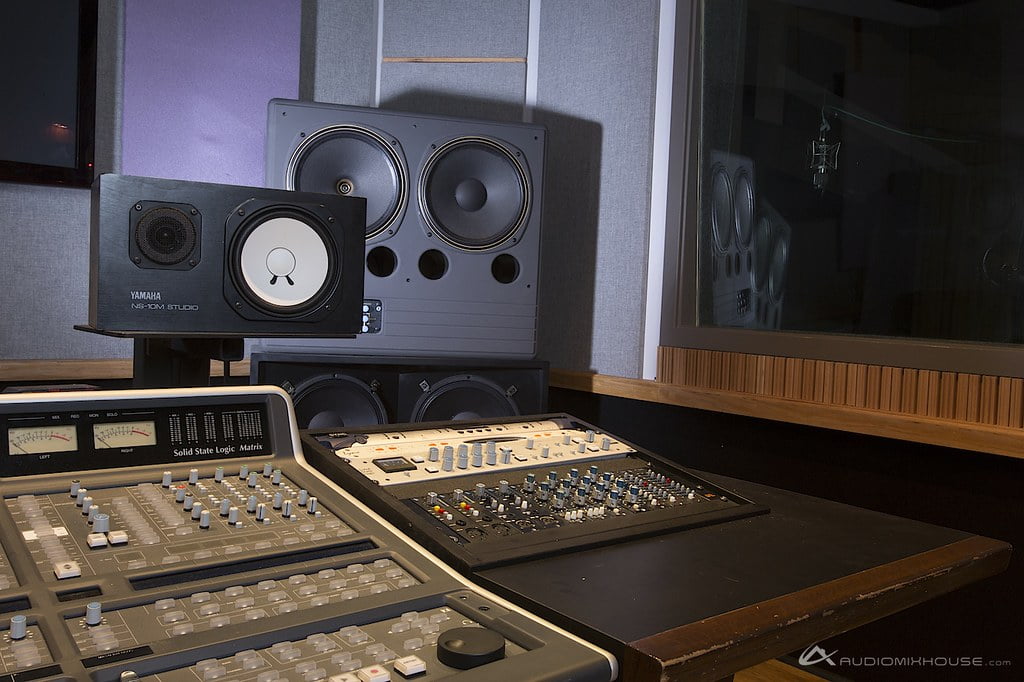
(452, 225)
(183, 258)
(331, 391)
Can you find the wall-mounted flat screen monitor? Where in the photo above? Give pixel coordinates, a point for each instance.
(47, 91)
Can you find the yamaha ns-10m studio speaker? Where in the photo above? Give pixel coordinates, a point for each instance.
(453, 222)
(189, 258)
(333, 391)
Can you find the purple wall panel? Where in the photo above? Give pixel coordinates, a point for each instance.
(197, 78)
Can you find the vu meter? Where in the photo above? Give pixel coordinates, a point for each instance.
(33, 440)
(124, 434)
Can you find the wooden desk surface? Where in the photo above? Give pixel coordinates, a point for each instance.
(707, 602)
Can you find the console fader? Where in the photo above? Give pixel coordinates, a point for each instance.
(487, 493)
(180, 535)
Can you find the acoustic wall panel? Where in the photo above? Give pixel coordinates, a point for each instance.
(456, 28)
(45, 254)
(197, 78)
(339, 52)
(480, 90)
(45, 261)
(595, 93)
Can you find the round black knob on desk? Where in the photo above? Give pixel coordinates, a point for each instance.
(466, 648)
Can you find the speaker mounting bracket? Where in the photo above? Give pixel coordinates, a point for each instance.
(162, 361)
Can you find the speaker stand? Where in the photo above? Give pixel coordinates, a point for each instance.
(162, 361)
(167, 362)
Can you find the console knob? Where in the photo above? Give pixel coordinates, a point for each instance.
(197, 510)
(278, 500)
(478, 449)
(492, 458)
(463, 459)
(433, 454)
(93, 613)
(218, 475)
(574, 474)
(233, 515)
(250, 504)
(529, 482)
(19, 627)
(275, 478)
(590, 435)
(448, 452)
(75, 485)
(179, 494)
(545, 452)
(261, 511)
(447, 464)
(204, 518)
(268, 469)
(313, 506)
(466, 648)
(506, 455)
(252, 479)
(167, 479)
(243, 472)
(101, 523)
(188, 502)
(478, 459)
(86, 503)
(490, 447)
(303, 497)
(582, 447)
(606, 443)
(566, 439)
(529, 444)
(193, 476)
(80, 496)
(93, 511)
(503, 487)
(225, 506)
(431, 498)
(286, 509)
(457, 494)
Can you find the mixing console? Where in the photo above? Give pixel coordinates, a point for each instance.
(482, 494)
(180, 535)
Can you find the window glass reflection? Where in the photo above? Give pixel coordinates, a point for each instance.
(862, 168)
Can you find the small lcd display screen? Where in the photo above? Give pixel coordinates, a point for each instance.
(390, 465)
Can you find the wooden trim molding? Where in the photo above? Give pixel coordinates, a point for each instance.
(63, 371)
(455, 60)
(910, 427)
(792, 621)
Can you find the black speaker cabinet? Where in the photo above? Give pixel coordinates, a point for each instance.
(453, 223)
(181, 258)
(334, 391)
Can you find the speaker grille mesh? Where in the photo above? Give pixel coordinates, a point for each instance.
(165, 235)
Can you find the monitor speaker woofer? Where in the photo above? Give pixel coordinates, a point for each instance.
(353, 160)
(337, 401)
(474, 193)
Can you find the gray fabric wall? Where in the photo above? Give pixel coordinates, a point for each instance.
(595, 94)
(45, 243)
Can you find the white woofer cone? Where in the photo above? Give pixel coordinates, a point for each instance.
(285, 264)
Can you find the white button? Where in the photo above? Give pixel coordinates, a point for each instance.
(374, 673)
(410, 665)
(67, 569)
(117, 537)
(96, 540)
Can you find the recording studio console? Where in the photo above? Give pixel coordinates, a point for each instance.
(488, 493)
(180, 535)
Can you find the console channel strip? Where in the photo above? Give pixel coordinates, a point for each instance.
(488, 493)
(181, 535)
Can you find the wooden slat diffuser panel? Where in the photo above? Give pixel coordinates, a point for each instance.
(955, 396)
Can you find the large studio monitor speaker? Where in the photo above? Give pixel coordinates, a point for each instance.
(452, 222)
(333, 391)
(181, 258)
(728, 249)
